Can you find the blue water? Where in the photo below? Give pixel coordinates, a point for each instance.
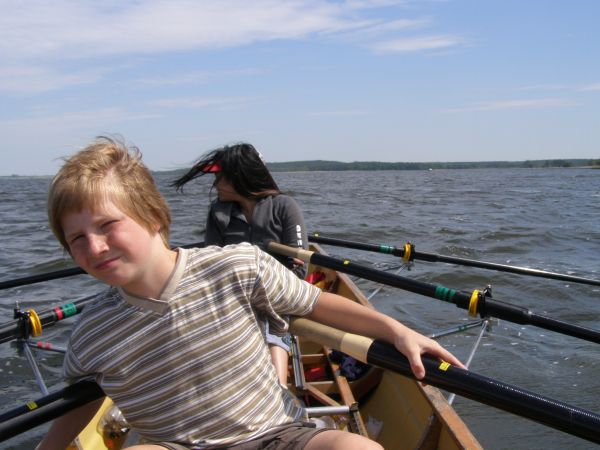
(546, 219)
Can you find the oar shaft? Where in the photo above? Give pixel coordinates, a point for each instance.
(47, 408)
(63, 273)
(388, 249)
(514, 399)
(14, 330)
(41, 277)
(432, 257)
(553, 413)
(485, 307)
(517, 314)
(505, 268)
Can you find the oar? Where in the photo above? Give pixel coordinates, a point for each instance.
(408, 252)
(47, 408)
(15, 330)
(553, 413)
(476, 302)
(63, 273)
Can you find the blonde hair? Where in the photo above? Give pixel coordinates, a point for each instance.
(107, 170)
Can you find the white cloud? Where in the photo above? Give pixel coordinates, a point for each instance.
(502, 105)
(195, 77)
(364, 4)
(35, 79)
(376, 30)
(42, 43)
(200, 103)
(591, 87)
(545, 87)
(63, 30)
(72, 121)
(417, 43)
(340, 113)
(562, 87)
(66, 29)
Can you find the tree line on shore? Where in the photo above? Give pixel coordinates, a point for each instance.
(320, 165)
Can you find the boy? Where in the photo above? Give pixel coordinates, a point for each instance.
(174, 341)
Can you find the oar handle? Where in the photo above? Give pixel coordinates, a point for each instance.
(47, 408)
(553, 413)
(291, 252)
(351, 344)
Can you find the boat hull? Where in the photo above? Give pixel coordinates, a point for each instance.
(399, 412)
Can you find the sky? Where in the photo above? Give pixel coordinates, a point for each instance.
(354, 80)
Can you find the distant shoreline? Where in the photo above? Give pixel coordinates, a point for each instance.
(329, 166)
(335, 166)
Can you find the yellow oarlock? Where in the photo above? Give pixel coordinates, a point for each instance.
(407, 252)
(35, 322)
(473, 303)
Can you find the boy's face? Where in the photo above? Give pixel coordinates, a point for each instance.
(110, 246)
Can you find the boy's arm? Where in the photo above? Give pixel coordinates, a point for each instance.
(339, 312)
(66, 428)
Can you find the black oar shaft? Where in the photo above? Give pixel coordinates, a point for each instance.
(484, 307)
(14, 330)
(431, 257)
(505, 268)
(514, 399)
(47, 408)
(388, 249)
(63, 273)
(41, 277)
(553, 413)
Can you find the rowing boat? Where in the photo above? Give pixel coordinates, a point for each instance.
(394, 410)
(384, 403)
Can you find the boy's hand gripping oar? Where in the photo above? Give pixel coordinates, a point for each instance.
(555, 414)
(476, 302)
(408, 253)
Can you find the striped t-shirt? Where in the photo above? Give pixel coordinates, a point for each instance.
(192, 366)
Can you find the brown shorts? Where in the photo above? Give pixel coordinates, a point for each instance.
(294, 436)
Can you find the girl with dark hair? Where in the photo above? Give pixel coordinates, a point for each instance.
(251, 208)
